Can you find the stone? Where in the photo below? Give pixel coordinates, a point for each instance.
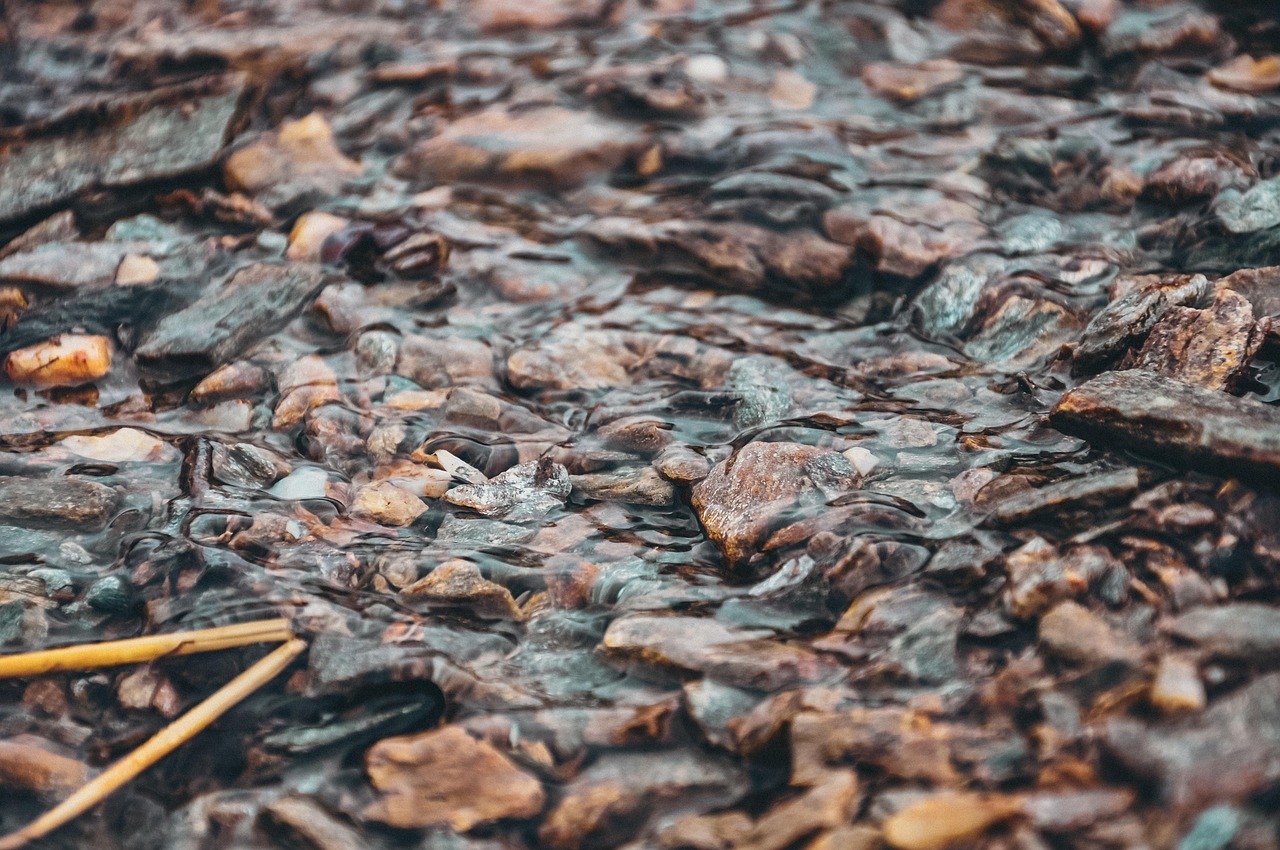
(1177, 687)
(632, 485)
(1176, 422)
(57, 502)
(64, 361)
(385, 503)
(1257, 209)
(301, 821)
(458, 584)
(1247, 74)
(908, 83)
(524, 492)
(763, 485)
(830, 804)
(1079, 494)
(300, 159)
(740, 657)
(27, 766)
(256, 301)
(1210, 348)
(1240, 631)
(947, 819)
(446, 777)
(309, 233)
(1041, 575)
(548, 146)
(136, 269)
(120, 446)
(1074, 633)
(1129, 318)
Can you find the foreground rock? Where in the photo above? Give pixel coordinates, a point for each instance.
(447, 777)
(761, 487)
(64, 361)
(57, 502)
(256, 301)
(1166, 418)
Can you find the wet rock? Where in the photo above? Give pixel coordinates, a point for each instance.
(152, 136)
(57, 502)
(301, 821)
(111, 595)
(1078, 494)
(681, 464)
(256, 301)
(447, 777)
(760, 487)
(545, 146)
(1210, 348)
(27, 766)
(1074, 633)
(1247, 74)
(525, 492)
(64, 361)
(1177, 687)
(911, 82)
(459, 584)
(1193, 178)
(1257, 209)
(385, 503)
(299, 161)
(1023, 333)
(1068, 811)
(444, 362)
(70, 265)
(828, 805)
(1204, 758)
(1040, 575)
(1125, 321)
(1175, 421)
(1215, 829)
(947, 819)
(634, 485)
(235, 380)
(309, 233)
(610, 800)
(763, 396)
(740, 657)
(1244, 631)
(503, 15)
(120, 446)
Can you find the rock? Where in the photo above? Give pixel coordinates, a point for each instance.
(235, 380)
(1177, 688)
(27, 766)
(504, 15)
(633, 485)
(761, 487)
(1193, 178)
(64, 361)
(1246, 74)
(1243, 631)
(947, 819)
(681, 464)
(136, 269)
(160, 134)
(459, 584)
(827, 805)
(1256, 209)
(57, 502)
(1078, 494)
(302, 822)
(1040, 575)
(1209, 348)
(1074, 633)
(299, 161)
(1165, 418)
(1069, 811)
(258, 300)
(908, 83)
(1023, 333)
(739, 657)
(1205, 758)
(309, 233)
(385, 503)
(1126, 320)
(525, 492)
(120, 446)
(70, 265)
(445, 776)
(618, 793)
(1215, 829)
(549, 146)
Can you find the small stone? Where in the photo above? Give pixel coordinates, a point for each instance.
(458, 583)
(299, 158)
(1177, 688)
(947, 819)
(525, 492)
(1076, 634)
(908, 83)
(790, 90)
(302, 822)
(27, 766)
(1213, 830)
(64, 361)
(111, 595)
(309, 233)
(57, 502)
(825, 806)
(234, 380)
(446, 777)
(136, 269)
(1243, 631)
(385, 503)
(1210, 348)
(1246, 74)
(121, 445)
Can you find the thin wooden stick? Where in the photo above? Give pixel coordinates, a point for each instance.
(164, 742)
(135, 650)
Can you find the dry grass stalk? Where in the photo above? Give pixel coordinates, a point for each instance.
(137, 650)
(164, 742)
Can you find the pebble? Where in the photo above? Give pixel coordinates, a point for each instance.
(947, 819)
(385, 503)
(64, 361)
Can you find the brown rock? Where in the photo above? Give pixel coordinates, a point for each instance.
(300, 157)
(57, 502)
(447, 777)
(1075, 633)
(763, 485)
(947, 819)
(1210, 348)
(458, 583)
(911, 82)
(1177, 688)
(1246, 74)
(309, 233)
(830, 804)
(545, 146)
(64, 361)
(504, 15)
(385, 503)
(303, 822)
(26, 766)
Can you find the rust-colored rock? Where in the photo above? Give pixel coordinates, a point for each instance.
(446, 777)
(947, 819)
(65, 361)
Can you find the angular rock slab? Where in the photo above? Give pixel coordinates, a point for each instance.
(1166, 418)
